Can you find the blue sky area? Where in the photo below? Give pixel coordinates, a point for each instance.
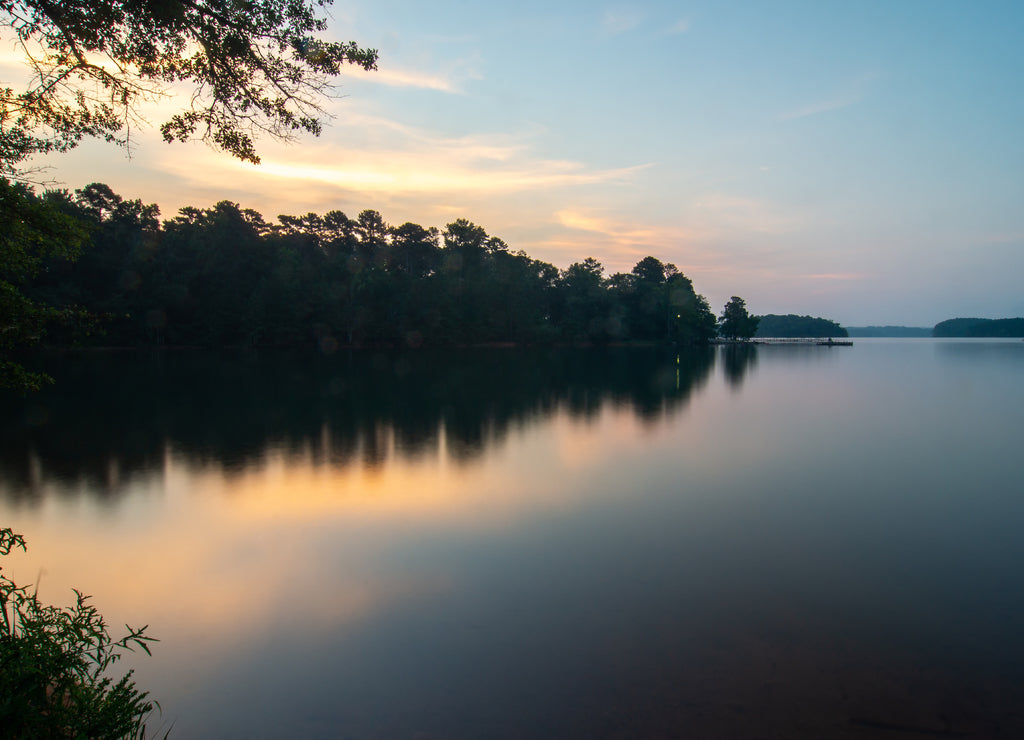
(861, 161)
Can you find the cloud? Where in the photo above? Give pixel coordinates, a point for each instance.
(680, 26)
(379, 159)
(411, 78)
(620, 243)
(621, 20)
(723, 212)
(823, 106)
(452, 81)
(390, 174)
(851, 93)
(709, 236)
(623, 234)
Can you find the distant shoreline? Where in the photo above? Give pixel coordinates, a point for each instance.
(889, 331)
(963, 328)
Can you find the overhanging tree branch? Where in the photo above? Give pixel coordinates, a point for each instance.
(256, 67)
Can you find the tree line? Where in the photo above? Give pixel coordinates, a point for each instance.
(791, 325)
(972, 327)
(225, 276)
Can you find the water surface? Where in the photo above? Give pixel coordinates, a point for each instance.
(732, 542)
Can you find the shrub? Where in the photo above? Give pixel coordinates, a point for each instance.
(54, 663)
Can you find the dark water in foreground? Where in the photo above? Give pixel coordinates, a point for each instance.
(781, 542)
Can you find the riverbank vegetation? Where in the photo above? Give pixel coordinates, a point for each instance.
(225, 276)
(55, 665)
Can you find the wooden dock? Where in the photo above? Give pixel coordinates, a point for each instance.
(805, 341)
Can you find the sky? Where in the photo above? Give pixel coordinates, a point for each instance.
(861, 161)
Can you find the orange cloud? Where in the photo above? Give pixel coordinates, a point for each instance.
(451, 82)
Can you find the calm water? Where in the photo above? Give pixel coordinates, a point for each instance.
(777, 542)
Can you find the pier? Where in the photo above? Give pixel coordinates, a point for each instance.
(826, 342)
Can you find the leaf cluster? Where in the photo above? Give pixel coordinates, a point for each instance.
(54, 663)
(254, 66)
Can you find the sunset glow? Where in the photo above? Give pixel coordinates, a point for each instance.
(826, 145)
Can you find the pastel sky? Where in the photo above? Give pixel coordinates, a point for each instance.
(861, 161)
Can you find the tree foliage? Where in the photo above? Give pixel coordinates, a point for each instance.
(226, 276)
(33, 233)
(735, 322)
(54, 665)
(888, 331)
(254, 66)
(791, 325)
(979, 328)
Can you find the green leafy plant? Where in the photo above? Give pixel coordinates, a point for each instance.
(54, 663)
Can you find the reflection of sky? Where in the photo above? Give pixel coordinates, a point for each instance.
(220, 546)
(299, 543)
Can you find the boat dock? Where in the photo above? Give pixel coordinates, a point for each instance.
(828, 342)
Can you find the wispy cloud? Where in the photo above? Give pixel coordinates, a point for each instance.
(623, 234)
(850, 94)
(393, 174)
(705, 236)
(682, 25)
(737, 214)
(621, 19)
(620, 243)
(822, 106)
(415, 79)
(393, 160)
(452, 80)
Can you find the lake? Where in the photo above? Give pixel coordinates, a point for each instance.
(749, 542)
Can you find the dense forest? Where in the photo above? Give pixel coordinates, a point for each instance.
(979, 328)
(224, 276)
(790, 325)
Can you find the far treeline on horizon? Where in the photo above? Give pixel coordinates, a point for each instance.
(806, 326)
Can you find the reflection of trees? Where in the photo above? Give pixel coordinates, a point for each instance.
(997, 352)
(737, 361)
(115, 415)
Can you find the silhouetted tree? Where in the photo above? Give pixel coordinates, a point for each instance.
(790, 325)
(254, 68)
(32, 231)
(224, 276)
(694, 323)
(735, 322)
(586, 303)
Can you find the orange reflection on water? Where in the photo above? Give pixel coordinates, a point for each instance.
(211, 550)
(512, 480)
